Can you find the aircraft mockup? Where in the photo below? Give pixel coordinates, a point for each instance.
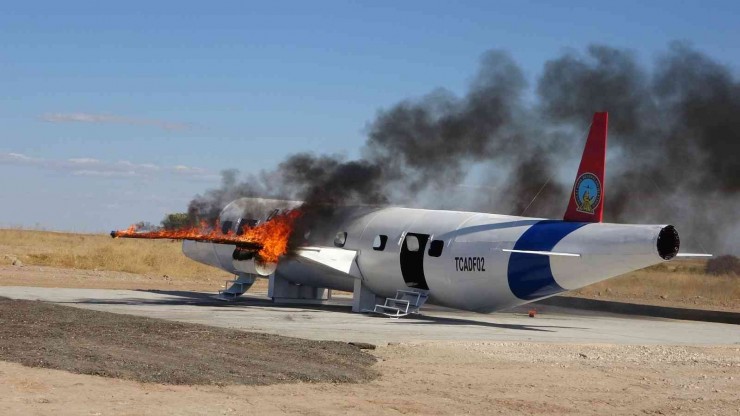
(394, 259)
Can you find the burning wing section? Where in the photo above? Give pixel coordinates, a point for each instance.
(250, 236)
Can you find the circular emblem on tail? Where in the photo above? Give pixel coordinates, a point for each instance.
(587, 192)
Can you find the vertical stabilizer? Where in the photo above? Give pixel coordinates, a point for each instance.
(587, 199)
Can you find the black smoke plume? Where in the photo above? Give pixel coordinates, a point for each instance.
(673, 146)
(674, 132)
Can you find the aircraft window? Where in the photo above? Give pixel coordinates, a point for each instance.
(272, 214)
(412, 243)
(341, 239)
(226, 227)
(244, 223)
(435, 249)
(379, 242)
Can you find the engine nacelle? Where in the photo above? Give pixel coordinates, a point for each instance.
(241, 213)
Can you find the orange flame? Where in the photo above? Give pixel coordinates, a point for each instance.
(269, 239)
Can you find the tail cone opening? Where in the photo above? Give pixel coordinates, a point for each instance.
(668, 242)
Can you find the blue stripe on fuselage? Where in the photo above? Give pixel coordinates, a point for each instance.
(530, 275)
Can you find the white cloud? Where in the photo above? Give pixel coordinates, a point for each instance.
(139, 167)
(188, 170)
(106, 173)
(87, 166)
(83, 161)
(195, 172)
(18, 158)
(149, 166)
(110, 118)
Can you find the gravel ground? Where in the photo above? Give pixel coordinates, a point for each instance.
(437, 378)
(40, 334)
(425, 378)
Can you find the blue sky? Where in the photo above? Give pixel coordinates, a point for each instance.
(115, 113)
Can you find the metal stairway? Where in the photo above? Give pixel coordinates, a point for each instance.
(235, 288)
(404, 303)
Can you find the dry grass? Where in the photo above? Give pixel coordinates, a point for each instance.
(681, 282)
(100, 252)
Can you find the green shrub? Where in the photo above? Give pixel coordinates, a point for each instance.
(176, 221)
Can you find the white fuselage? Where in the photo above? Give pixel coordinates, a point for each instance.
(461, 257)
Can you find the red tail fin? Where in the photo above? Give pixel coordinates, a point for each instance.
(587, 200)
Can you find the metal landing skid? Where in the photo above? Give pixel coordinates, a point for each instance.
(404, 303)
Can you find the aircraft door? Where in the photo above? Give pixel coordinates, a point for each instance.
(412, 260)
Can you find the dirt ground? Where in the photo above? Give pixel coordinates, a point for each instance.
(40, 334)
(434, 378)
(430, 379)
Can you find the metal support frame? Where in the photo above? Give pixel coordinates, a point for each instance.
(281, 290)
(363, 299)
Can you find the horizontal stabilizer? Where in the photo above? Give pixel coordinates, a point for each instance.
(693, 255)
(542, 253)
(338, 259)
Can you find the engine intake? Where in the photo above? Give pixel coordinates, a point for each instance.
(242, 254)
(668, 242)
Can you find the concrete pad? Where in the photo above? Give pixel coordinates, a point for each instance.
(336, 322)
